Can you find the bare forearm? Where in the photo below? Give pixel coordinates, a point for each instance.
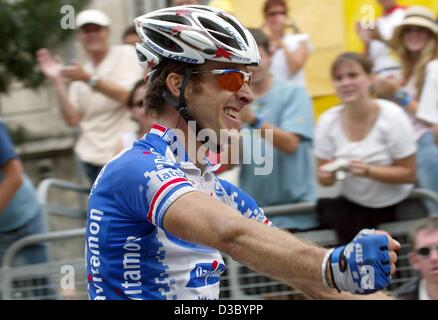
(296, 59)
(391, 174)
(11, 182)
(69, 114)
(326, 181)
(284, 141)
(7, 192)
(112, 90)
(269, 251)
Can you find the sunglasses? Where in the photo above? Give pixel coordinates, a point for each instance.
(138, 104)
(230, 79)
(276, 13)
(425, 251)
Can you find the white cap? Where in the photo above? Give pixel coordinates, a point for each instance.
(92, 16)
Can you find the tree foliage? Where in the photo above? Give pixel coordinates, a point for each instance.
(26, 26)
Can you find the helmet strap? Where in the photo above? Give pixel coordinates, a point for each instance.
(181, 106)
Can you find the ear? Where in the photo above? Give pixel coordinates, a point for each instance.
(173, 83)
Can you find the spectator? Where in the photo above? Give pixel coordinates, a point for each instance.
(424, 259)
(130, 36)
(376, 40)
(185, 2)
(20, 214)
(145, 121)
(290, 51)
(416, 43)
(285, 109)
(376, 143)
(96, 98)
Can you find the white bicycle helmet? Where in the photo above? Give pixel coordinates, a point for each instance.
(194, 34)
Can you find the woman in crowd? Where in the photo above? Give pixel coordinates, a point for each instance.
(290, 50)
(372, 142)
(415, 41)
(145, 122)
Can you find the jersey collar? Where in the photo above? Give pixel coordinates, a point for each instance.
(172, 148)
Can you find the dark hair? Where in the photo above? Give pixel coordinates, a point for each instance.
(260, 38)
(272, 3)
(129, 30)
(140, 83)
(358, 58)
(154, 100)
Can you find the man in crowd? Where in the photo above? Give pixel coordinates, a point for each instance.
(424, 259)
(96, 98)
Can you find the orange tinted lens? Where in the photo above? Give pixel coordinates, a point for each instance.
(231, 81)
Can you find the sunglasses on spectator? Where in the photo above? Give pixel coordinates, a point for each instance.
(276, 13)
(138, 104)
(230, 79)
(414, 29)
(425, 251)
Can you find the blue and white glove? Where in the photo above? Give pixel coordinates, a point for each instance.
(363, 265)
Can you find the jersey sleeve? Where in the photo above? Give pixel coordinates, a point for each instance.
(147, 188)
(244, 203)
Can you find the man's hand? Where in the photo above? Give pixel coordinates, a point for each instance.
(51, 67)
(75, 72)
(366, 264)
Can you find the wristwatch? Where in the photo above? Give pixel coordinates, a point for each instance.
(93, 81)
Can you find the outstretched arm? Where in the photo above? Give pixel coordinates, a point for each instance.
(270, 251)
(9, 185)
(52, 68)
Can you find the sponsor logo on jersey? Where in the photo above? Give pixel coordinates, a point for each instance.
(205, 274)
(93, 254)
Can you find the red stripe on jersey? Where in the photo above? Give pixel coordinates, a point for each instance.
(159, 192)
(159, 127)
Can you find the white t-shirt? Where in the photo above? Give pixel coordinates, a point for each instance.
(427, 109)
(379, 52)
(103, 119)
(279, 67)
(128, 139)
(391, 138)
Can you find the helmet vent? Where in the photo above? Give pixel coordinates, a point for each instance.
(174, 19)
(163, 41)
(235, 26)
(219, 33)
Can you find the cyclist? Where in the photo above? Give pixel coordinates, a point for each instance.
(158, 218)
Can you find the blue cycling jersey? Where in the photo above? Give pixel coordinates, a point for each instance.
(129, 254)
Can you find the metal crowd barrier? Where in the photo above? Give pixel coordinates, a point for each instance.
(50, 208)
(237, 283)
